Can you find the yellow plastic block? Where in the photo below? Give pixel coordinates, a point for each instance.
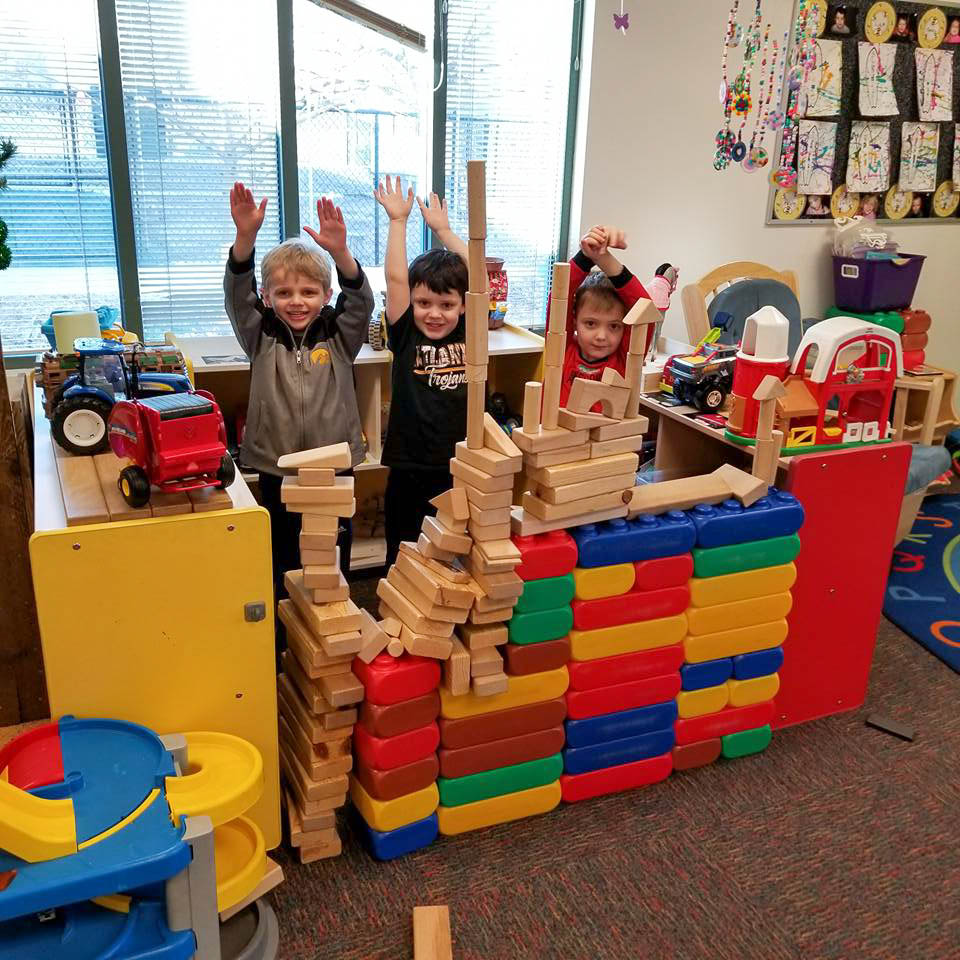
(523, 690)
(706, 591)
(627, 638)
(730, 643)
(697, 703)
(390, 814)
(34, 829)
(740, 613)
(240, 858)
(502, 809)
(757, 690)
(594, 583)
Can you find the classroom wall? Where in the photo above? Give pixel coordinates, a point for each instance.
(651, 113)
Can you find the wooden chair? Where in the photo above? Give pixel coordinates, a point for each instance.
(695, 297)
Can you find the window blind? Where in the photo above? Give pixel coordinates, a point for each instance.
(508, 67)
(57, 205)
(200, 90)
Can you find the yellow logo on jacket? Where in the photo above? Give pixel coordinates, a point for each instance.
(319, 355)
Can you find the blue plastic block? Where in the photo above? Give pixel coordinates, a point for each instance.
(710, 673)
(84, 931)
(616, 752)
(778, 514)
(746, 666)
(389, 844)
(618, 726)
(630, 541)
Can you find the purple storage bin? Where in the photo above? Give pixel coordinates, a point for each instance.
(868, 286)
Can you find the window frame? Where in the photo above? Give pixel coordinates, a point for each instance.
(118, 158)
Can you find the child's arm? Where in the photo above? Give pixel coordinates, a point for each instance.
(241, 302)
(629, 288)
(355, 303)
(437, 218)
(398, 210)
(580, 266)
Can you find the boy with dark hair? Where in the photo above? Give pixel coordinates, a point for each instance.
(426, 330)
(598, 302)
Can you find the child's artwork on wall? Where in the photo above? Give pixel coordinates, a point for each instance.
(815, 157)
(868, 163)
(841, 20)
(825, 79)
(956, 154)
(877, 96)
(935, 84)
(918, 157)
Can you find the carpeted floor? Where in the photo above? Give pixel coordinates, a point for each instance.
(837, 842)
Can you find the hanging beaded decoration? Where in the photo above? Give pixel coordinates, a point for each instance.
(724, 138)
(742, 100)
(756, 157)
(796, 76)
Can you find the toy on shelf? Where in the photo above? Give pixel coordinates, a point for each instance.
(81, 388)
(176, 442)
(702, 379)
(497, 282)
(119, 843)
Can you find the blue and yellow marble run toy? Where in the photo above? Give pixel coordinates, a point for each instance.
(116, 843)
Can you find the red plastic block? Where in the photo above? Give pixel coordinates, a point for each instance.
(727, 721)
(388, 721)
(388, 680)
(597, 783)
(469, 731)
(523, 658)
(387, 753)
(663, 572)
(501, 753)
(623, 696)
(691, 755)
(630, 607)
(34, 759)
(398, 782)
(624, 668)
(546, 555)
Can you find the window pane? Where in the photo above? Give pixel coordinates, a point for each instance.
(361, 114)
(57, 207)
(508, 67)
(200, 90)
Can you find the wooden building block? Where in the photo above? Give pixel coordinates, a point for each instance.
(318, 542)
(454, 502)
(556, 438)
(316, 524)
(482, 636)
(766, 458)
(477, 199)
(316, 703)
(497, 615)
(431, 933)
(312, 726)
(479, 562)
(485, 604)
(532, 398)
(304, 652)
(323, 577)
(341, 689)
(562, 307)
(324, 509)
(373, 637)
(550, 458)
(552, 387)
(451, 522)
(555, 346)
(423, 645)
(561, 475)
(339, 493)
(485, 662)
(560, 284)
(433, 552)
(320, 558)
(162, 505)
(310, 651)
(308, 808)
(744, 487)
(490, 461)
(478, 313)
(456, 669)
(316, 476)
(585, 393)
(635, 377)
(108, 466)
(476, 372)
(635, 427)
(336, 457)
(316, 767)
(322, 851)
(476, 401)
(485, 501)
(496, 438)
(395, 646)
(484, 482)
(505, 550)
(477, 265)
(328, 787)
(454, 571)
(503, 586)
(725, 482)
(483, 534)
(436, 588)
(489, 686)
(527, 525)
(583, 421)
(337, 594)
(203, 500)
(391, 626)
(445, 538)
(607, 448)
(326, 619)
(486, 518)
(581, 491)
(412, 618)
(433, 611)
(562, 511)
(83, 499)
(641, 314)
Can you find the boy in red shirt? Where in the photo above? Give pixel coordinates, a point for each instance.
(598, 302)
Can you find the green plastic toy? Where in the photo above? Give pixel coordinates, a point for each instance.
(717, 561)
(456, 791)
(545, 594)
(540, 626)
(745, 742)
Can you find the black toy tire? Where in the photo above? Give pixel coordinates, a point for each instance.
(134, 486)
(710, 397)
(227, 472)
(59, 424)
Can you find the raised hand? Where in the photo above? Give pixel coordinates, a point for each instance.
(616, 238)
(392, 200)
(247, 215)
(594, 243)
(332, 231)
(435, 216)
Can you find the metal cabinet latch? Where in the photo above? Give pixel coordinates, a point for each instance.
(254, 612)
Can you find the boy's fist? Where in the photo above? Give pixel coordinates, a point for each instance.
(435, 216)
(332, 231)
(594, 243)
(616, 238)
(247, 216)
(392, 200)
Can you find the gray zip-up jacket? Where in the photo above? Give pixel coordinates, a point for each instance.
(300, 397)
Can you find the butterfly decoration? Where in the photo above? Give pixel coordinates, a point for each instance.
(621, 20)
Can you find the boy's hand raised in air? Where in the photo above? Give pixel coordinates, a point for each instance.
(248, 217)
(392, 200)
(594, 243)
(435, 216)
(332, 236)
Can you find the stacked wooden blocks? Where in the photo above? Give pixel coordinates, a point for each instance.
(318, 690)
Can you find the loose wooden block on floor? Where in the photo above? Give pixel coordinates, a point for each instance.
(431, 933)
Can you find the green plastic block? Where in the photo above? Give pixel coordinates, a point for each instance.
(456, 791)
(745, 742)
(541, 626)
(546, 594)
(889, 319)
(717, 561)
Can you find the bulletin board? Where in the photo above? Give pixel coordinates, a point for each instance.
(856, 117)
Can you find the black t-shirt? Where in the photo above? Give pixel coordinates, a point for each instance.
(428, 411)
